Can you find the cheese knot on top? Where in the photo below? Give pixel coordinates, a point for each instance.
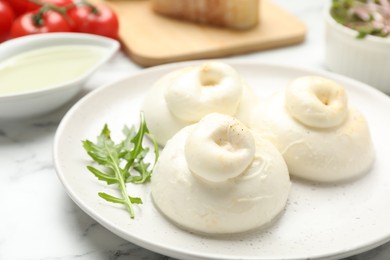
(317, 102)
(184, 96)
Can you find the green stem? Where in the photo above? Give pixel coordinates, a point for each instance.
(38, 17)
(37, 2)
(128, 165)
(122, 185)
(94, 9)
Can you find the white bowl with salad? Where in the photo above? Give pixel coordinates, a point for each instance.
(358, 40)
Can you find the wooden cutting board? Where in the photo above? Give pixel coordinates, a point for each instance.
(151, 39)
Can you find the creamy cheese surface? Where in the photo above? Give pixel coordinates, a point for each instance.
(217, 177)
(321, 136)
(184, 96)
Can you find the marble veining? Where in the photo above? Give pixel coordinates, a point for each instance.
(38, 221)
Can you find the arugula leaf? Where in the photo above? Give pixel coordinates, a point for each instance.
(113, 199)
(122, 162)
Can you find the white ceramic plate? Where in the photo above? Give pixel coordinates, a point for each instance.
(320, 221)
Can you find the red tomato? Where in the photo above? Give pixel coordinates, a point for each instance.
(24, 6)
(6, 20)
(51, 21)
(98, 19)
(58, 2)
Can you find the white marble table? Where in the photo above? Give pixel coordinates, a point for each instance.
(37, 218)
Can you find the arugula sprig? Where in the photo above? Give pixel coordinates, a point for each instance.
(123, 162)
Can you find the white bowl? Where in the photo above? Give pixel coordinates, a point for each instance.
(367, 59)
(37, 102)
